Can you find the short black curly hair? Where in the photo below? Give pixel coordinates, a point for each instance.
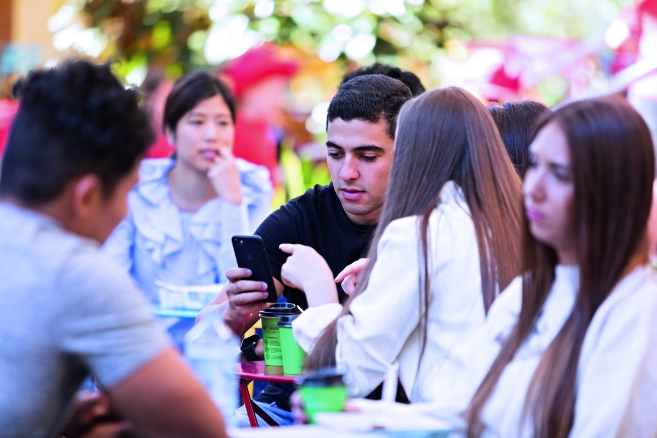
(370, 98)
(73, 120)
(407, 77)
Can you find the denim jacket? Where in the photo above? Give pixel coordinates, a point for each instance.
(156, 241)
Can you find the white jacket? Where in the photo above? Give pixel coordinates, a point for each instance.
(383, 326)
(156, 242)
(617, 372)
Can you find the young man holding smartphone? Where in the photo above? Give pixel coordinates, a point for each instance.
(71, 158)
(337, 220)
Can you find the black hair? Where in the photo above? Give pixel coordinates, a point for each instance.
(189, 91)
(154, 78)
(370, 98)
(73, 120)
(408, 78)
(516, 122)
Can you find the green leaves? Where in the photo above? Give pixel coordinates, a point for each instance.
(182, 35)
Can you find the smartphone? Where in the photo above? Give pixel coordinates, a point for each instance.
(250, 254)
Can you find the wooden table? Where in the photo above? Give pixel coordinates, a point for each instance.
(257, 370)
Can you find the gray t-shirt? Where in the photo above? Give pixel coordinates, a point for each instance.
(65, 311)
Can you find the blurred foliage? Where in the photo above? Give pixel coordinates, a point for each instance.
(177, 35)
(149, 32)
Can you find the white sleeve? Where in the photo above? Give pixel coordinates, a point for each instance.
(455, 386)
(384, 315)
(119, 246)
(617, 376)
(311, 323)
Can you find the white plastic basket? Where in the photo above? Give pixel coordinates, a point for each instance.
(194, 297)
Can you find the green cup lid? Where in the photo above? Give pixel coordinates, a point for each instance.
(286, 320)
(277, 310)
(323, 378)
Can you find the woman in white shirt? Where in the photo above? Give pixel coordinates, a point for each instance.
(184, 210)
(570, 348)
(445, 245)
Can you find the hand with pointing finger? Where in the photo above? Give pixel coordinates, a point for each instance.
(245, 299)
(306, 270)
(350, 275)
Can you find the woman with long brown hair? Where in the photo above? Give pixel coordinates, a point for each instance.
(569, 349)
(445, 245)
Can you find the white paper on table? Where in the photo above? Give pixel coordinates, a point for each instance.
(188, 297)
(204, 288)
(375, 415)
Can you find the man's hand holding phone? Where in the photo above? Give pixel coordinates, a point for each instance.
(245, 300)
(250, 288)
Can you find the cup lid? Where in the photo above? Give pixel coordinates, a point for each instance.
(277, 310)
(286, 320)
(322, 378)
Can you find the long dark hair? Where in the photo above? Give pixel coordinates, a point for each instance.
(444, 135)
(612, 163)
(516, 122)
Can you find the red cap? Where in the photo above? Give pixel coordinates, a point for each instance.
(502, 79)
(257, 64)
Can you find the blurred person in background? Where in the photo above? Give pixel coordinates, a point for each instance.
(184, 210)
(155, 90)
(409, 79)
(516, 122)
(71, 158)
(259, 79)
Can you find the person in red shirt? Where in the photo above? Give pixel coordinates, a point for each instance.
(156, 89)
(259, 79)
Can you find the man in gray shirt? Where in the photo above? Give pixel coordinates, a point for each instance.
(67, 312)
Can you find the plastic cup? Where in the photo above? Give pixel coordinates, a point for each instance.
(293, 354)
(322, 391)
(270, 334)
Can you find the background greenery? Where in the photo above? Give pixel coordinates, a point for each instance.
(181, 35)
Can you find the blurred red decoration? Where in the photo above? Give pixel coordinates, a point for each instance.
(7, 111)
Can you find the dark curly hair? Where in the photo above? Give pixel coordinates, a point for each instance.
(73, 120)
(370, 98)
(408, 78)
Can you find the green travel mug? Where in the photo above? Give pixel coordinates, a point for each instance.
(293, 354)
(270, 336)
(322, 391)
